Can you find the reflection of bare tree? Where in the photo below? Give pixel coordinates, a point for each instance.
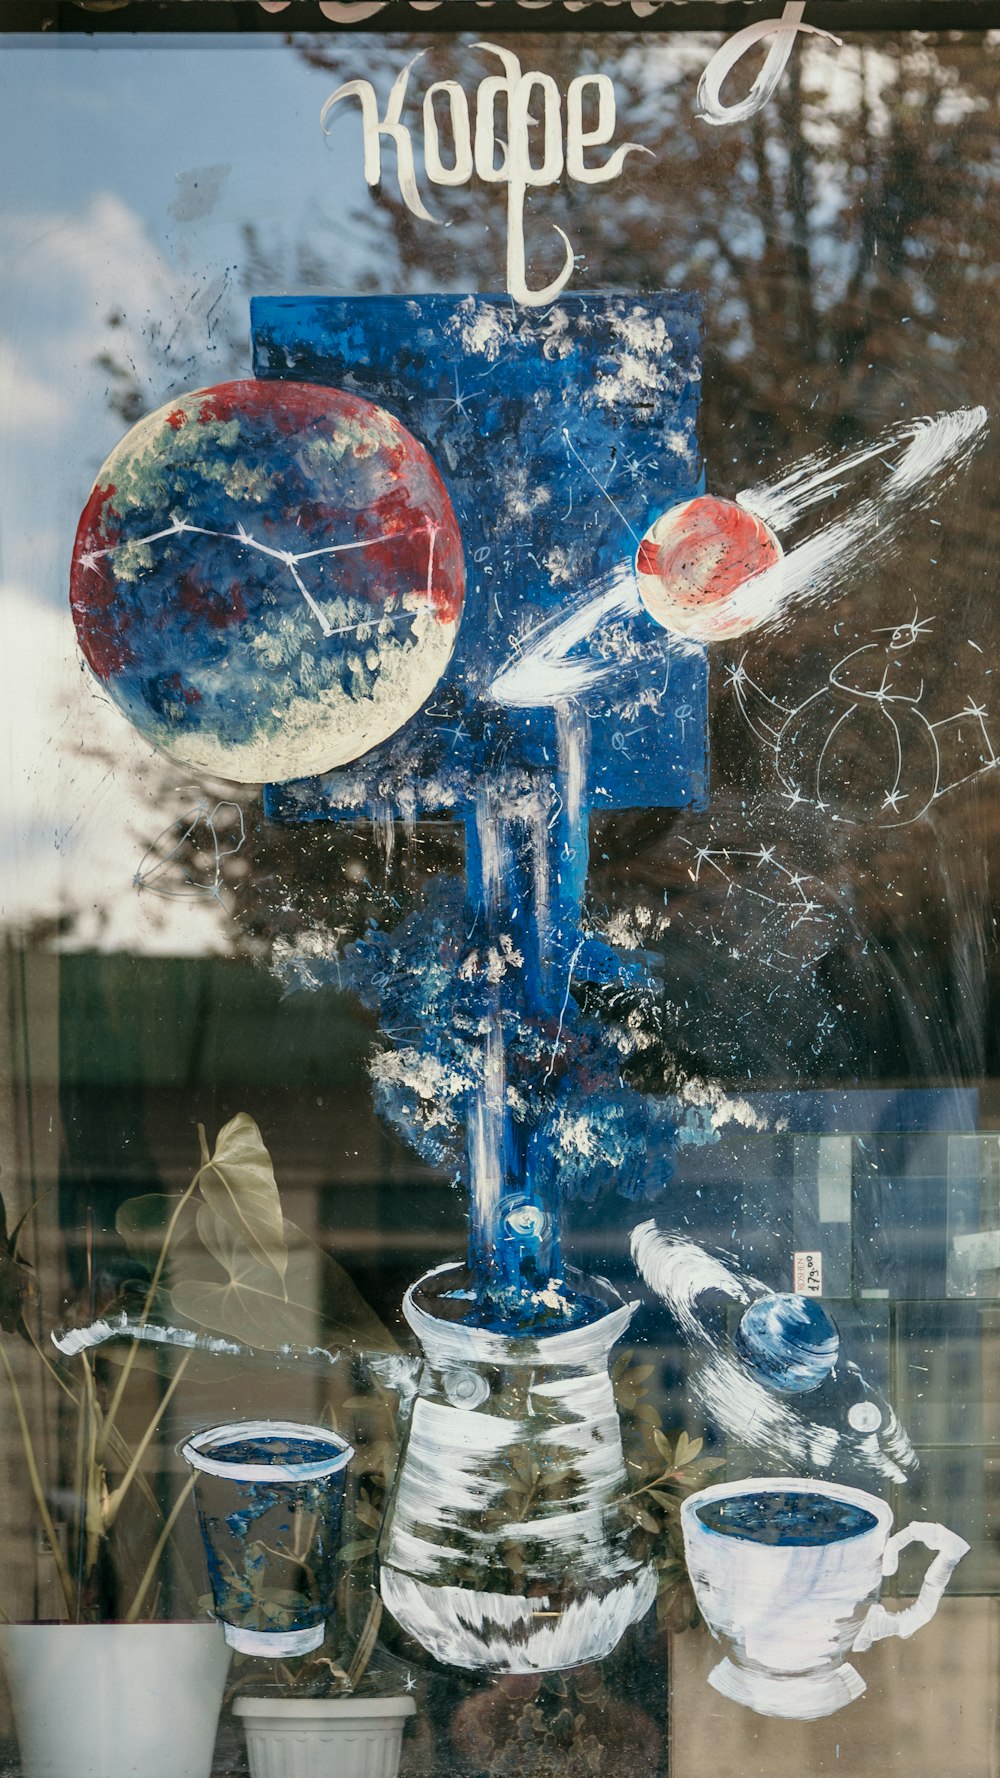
(843, 240)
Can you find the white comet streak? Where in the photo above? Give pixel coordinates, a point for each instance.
(681, 1273)
(544, 673)
(934, 452)
(71, 1341)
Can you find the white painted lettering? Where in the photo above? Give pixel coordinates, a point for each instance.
(390, 125)
(461, 134)
(708, 101)
(578, 139)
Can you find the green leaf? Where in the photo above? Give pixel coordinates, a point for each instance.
(640, 1372)
(17, 1290)
(353, 1552)
(669, 1502)
(238, 1184)
(645, 1411)
(250, 1305)
(642, 1517)
(664, 1446)
(687, 1450)
(15, 1233)
(143, 1222)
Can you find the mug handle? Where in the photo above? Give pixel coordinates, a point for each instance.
(950, 1550)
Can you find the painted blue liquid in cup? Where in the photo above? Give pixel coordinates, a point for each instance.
(796, 1518)
(270, 1495)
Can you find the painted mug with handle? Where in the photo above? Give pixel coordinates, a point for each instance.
(787, 1572)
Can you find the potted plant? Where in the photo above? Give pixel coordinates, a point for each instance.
(105, 1648)
(231, 1281)
(343, 1709)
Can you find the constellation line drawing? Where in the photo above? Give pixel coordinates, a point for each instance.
(289, 558)
(152, 874)
(866, 752)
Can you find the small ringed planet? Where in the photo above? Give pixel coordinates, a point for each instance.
(709, 569)
(694, 558)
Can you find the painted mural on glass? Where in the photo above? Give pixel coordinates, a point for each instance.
(276, 579)
(448, 585)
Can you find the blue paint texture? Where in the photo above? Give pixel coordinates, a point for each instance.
(271, 1548)
(524, 413)
(796, 1519)
(560, 436)
(789, 1341)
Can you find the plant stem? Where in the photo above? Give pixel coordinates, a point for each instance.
(126, 1370)
(118, 1494)
(366, 1643)
(36, 1486)
(161, 1544)
(660, 1481)
(52, 1369)
(94, 1482)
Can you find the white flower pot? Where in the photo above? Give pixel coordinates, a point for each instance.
(324, 1737)
(115, 1700)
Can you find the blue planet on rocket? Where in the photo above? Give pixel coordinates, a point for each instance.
(268, 578)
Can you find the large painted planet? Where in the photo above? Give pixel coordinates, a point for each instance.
(268, 578)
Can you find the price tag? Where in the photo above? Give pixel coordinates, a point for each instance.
(808, 1274)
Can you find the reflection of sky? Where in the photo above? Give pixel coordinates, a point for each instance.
(109, 139)
(130, 169)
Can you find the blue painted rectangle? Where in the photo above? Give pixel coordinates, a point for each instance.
(561, 434)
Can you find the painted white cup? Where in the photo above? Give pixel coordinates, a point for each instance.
(789, 1612)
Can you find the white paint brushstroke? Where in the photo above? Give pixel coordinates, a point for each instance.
(934, 450)
(930, 445)
(508, 1633)
(681, 1273)
(492, 839)
(709, 103)
(543, 674)
(486, 1136)
(71, 1341)
(572, 745)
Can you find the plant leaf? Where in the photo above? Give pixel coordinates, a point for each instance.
(663, 1445)
(17, 1289)
(142, 1224)
(353, 1552)
(640, 1372)
(15, 1234)
(316, 1305)
(238, 1184)
(687, 1450)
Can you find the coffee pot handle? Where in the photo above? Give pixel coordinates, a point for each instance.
(950, 1550)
